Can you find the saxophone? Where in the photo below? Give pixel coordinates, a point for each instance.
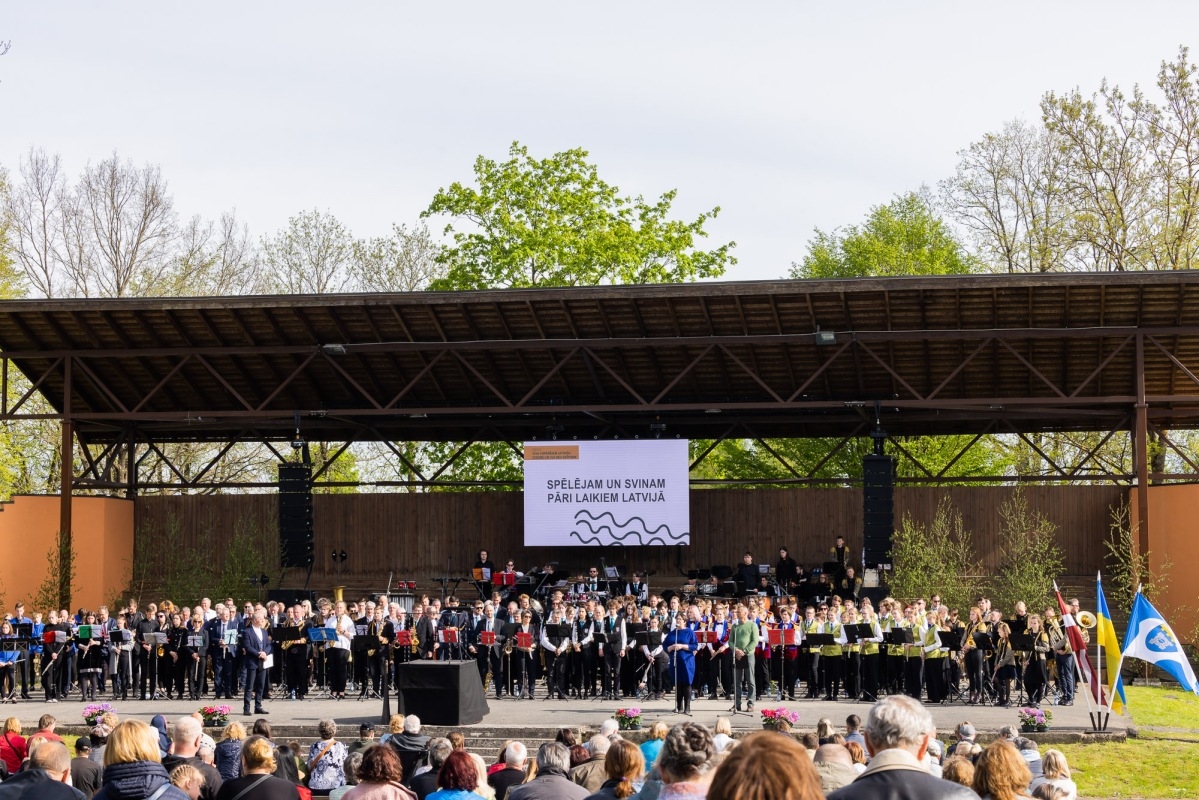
(372, 631)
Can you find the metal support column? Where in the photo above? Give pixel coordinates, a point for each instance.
(1141, 450)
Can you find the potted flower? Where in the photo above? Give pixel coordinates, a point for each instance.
(628, 719)
(1034, 719)
(215, 715)
(93, 712)
(779, 718)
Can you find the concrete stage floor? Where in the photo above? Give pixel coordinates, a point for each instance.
(300, 717)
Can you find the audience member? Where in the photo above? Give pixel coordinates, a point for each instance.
(47, 777)
(483, 789)
(958, 769)
(623, 767)
(724, 734)
(610, 728)
(857, 754)
(765, 766)
(578, 756)
(652, 746)
(366, 738)
(897, 740)
(228, 751)
(834, 765)
(1056, 772)
(551, 781)
(591, 774)
(686, 762)
(85, 773)
(351, 767)
(133, 765)
(185, 746)
(1001, 773)
(325, 759)
(257, 781)
(13, 747)
(457, 779)
(379, 777)
(188, 780)
(516, 758)
(457, 740)
(45, 729)
(810, 742)
(853, 730)
(425, 784)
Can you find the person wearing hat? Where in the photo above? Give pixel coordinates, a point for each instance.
(366, 738)
(86, 775)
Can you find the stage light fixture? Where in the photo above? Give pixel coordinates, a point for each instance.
(333, 349)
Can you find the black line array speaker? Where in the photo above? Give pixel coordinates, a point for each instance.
(878, 508)
(295, 515)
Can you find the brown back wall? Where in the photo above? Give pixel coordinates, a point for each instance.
(418, 536)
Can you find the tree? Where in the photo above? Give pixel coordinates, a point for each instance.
(554, 222)
(1008, 191)
(312, 255)
(1029, 557)
(937, 557)
(215, 258)
(406, 261)
(903, 237)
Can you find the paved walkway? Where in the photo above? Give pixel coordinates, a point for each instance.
(557, 713)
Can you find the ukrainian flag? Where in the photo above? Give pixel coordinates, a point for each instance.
(1105, 635)
(1150, 638)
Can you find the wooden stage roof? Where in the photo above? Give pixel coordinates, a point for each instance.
(958, 354)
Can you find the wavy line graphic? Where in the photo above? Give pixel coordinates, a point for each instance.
(620, 536)
(644, 525)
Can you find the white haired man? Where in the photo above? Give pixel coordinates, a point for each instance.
(897, 738)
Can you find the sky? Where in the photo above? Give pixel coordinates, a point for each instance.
(789, 116)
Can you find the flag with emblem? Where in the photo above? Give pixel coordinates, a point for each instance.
(1150, 638)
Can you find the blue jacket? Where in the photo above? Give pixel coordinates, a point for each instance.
(250, 643)
(684, 660)
(137, 781)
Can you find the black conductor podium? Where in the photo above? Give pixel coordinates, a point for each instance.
(442, 692)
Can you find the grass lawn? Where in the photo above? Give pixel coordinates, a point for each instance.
(1153, 766)
(1154, 706)
(1135, 769)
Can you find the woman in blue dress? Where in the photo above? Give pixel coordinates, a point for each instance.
(680, 645)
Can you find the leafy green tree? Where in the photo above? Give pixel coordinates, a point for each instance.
(554, 222)
(1029, 556)
(903, 237)
(935, 557)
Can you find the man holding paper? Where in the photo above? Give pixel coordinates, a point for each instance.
(258, 661)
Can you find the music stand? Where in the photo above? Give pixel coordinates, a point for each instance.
(1022, 642)
(322, 636)
(155, 639)
(983, 641)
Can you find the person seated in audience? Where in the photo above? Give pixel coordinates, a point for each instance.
(765, 765)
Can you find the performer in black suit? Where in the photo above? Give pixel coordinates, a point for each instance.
(426, 634)
(257, 644)
(489, 658)
(484, 584)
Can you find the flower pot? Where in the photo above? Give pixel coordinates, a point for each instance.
(769, 726)
(1042, 728)
(1027, 728)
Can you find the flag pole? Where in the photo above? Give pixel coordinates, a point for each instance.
(1120, 663)
(1103, 696)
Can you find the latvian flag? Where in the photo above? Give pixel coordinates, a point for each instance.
(1080, 649)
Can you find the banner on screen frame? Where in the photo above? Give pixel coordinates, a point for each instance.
(630, 493)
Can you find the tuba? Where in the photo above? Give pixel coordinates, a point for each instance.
(1086, 619)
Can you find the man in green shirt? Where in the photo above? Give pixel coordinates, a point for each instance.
(744, 638)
